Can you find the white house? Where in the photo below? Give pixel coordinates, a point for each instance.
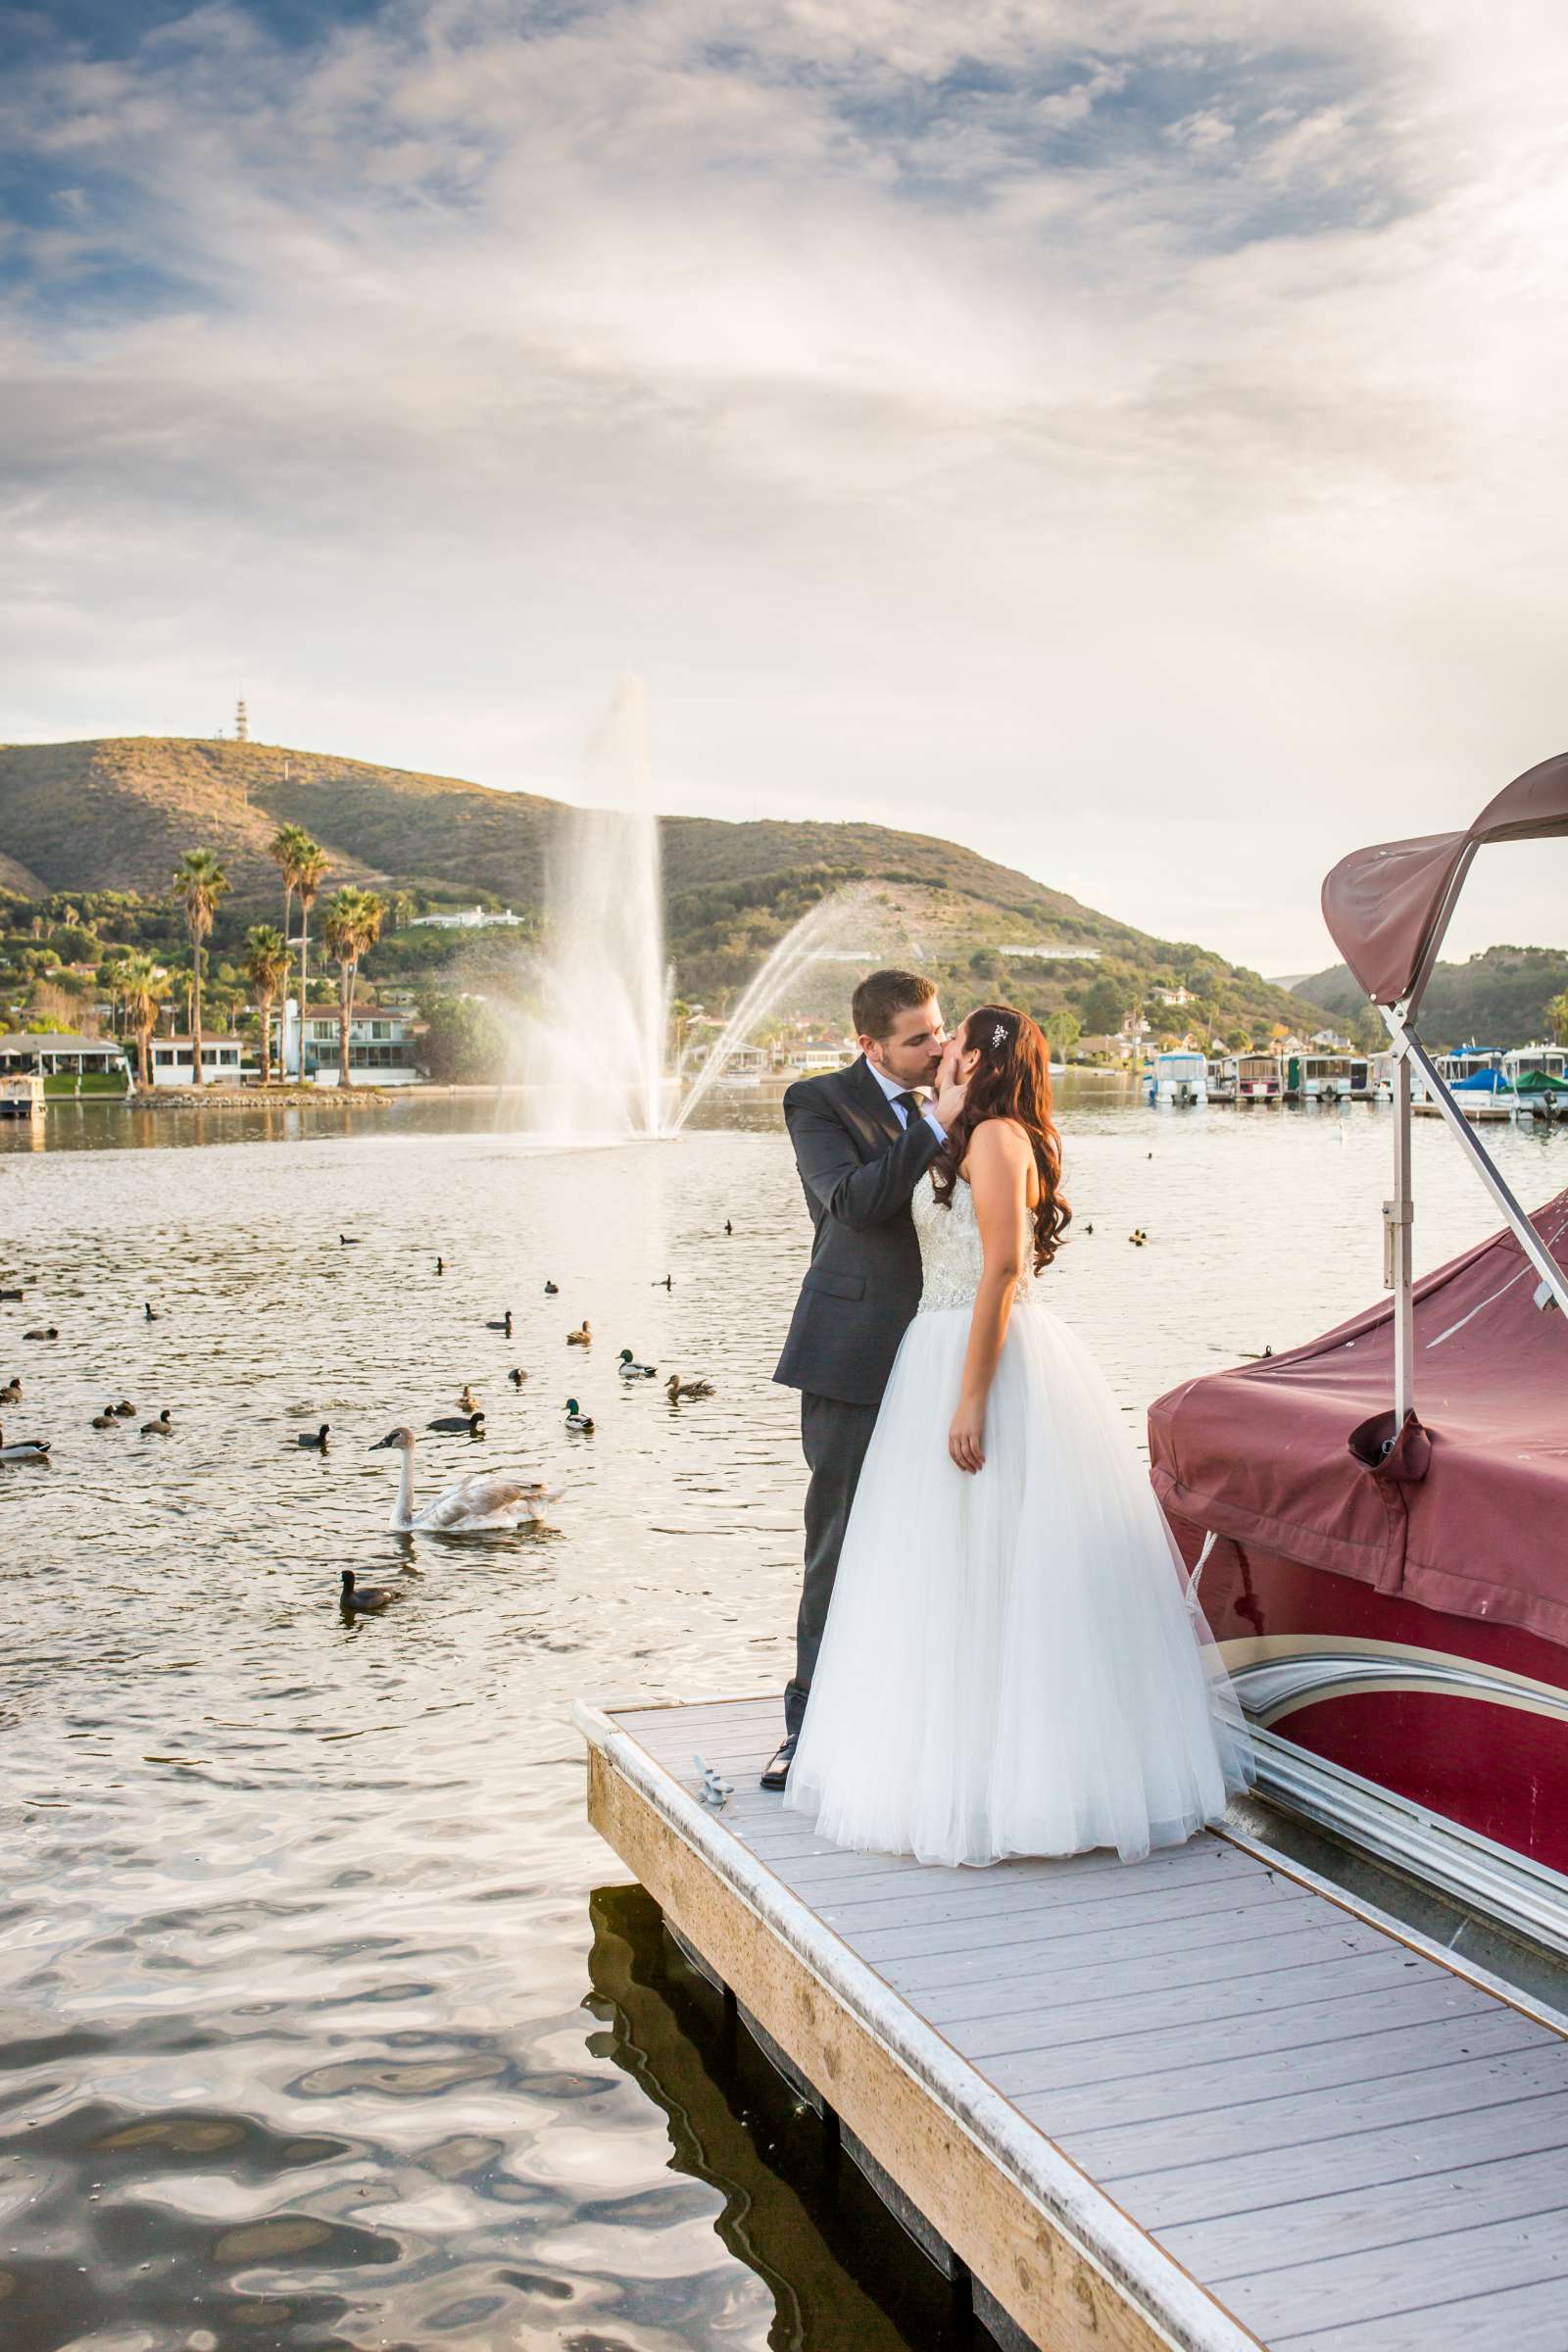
(821, 1054)
(468, 919)
(59, 1054)
(173, 1061)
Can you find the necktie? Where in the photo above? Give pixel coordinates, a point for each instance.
(912, 1103)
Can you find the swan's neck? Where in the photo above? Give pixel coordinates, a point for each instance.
(403, 1508)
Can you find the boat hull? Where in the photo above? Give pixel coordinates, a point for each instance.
(1464, 1719)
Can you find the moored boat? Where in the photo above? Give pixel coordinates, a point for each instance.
(1180, 1076)
(22, 1095)
(1377, 1516)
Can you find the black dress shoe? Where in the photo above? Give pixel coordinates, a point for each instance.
(778, 1772)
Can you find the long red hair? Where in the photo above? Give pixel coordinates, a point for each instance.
(1011, 1080)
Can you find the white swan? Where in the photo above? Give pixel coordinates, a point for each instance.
(474, 1506)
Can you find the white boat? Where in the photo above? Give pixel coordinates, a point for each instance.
(1177, 1077)
(1258, 1077)
(22, 1095)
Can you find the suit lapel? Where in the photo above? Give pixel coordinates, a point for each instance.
(871, 1101)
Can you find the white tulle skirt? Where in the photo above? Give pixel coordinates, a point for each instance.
(1011, 1664)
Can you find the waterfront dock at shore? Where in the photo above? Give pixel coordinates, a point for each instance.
(1208, 2101)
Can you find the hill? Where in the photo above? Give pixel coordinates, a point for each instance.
(1498, 997)
(115, 814)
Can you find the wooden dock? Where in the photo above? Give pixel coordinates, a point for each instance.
(1204, 2101)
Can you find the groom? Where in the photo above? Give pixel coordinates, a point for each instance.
(864, 1138)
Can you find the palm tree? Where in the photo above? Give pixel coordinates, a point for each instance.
(267, 971)
(143, 986)
(283, 850)
(200, 882)
(309, 873)
(353, 924)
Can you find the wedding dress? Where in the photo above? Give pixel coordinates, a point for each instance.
(1011, 1664)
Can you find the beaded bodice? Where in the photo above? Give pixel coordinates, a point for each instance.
(951, 1256)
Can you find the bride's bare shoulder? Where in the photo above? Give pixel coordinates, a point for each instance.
(999, 1142)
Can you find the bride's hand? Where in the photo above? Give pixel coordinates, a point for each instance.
(966, 1438)
(950, 1087)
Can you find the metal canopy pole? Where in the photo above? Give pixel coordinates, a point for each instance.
(1397, 1255)
(1553, 1287)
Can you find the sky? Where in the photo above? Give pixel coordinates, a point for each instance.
(1127, 438)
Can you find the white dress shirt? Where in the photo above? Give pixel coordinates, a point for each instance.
(893, 1088)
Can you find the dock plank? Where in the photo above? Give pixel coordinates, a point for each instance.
(1518, 2319)
(1384, 2283)
(1396, 2214)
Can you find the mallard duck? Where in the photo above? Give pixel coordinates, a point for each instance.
(469, 1401)
(124, 1408)
(630, 1369)
(49, 1332)
(163, 1427)
(106, 1419)
(552, 1289)
(477, 1506)
(314, 1442)
(349, 1240)
(151, 1316)
(517, 1376)
(452, 1422)
(358, 1599)
(581, 1337)
(505, 1324)
(577, 1419)
(11, 1393)
(687, 1390)
(23, 1450)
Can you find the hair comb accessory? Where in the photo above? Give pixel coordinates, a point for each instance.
(1001, 1033)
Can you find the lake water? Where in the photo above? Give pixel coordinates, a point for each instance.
(325, 2020)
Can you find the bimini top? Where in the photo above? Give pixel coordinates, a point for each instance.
(1388, 907)
(1465, 1514)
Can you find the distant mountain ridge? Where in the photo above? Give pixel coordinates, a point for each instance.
(116, 813)
(1499, 997)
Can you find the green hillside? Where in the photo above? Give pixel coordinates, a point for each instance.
(83, 819)
(1499, 998)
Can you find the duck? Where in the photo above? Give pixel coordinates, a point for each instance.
(1138, 1237)
(106, 1419)
(124, 1409)
(476, 1506)
(582, 1337)
(349, 1240)
(357, 1599)
(665, 1282)
(50, 1331)
(469, 1401)
(12, 1297)
(577, 1420)
(23, 1450)
(1089, 1229)
(681, 1391)
(11, 1393)
(316, 1444)
(517, 1376)
(552, 1289)
(630, 1369)
(728, 1227)
(505, 1324)
(151, 1313)
(440, 1265)
(451, 1424)
(163, 1427)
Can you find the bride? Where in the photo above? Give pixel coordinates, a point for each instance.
(1010, 1665)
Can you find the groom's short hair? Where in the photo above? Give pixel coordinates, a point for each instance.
(882, 996)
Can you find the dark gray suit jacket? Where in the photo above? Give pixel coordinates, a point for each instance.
(857, 1168)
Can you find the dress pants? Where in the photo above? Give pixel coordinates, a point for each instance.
(835, 1437)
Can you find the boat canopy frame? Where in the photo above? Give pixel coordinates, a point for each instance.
(1387, 909)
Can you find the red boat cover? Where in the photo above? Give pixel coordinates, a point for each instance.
(1468, 1512)
(1387, 904)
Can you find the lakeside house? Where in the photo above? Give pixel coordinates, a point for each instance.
(173, 1060)
(380, 1046)
(61, 1054)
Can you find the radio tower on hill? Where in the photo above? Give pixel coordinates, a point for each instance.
(242, 724)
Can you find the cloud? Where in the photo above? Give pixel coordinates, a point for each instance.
(1125, 437)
